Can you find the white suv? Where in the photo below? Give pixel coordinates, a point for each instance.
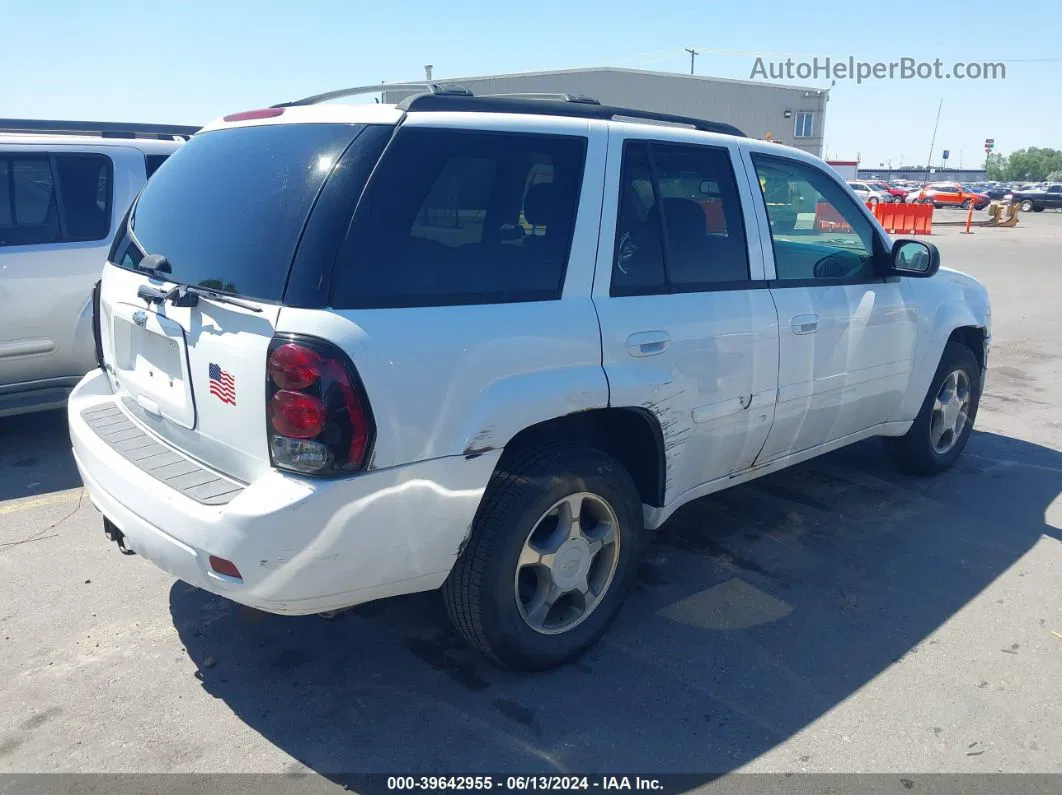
(488, 344)
(63, 191)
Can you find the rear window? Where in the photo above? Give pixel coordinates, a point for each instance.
(462, 217)
(228, 209)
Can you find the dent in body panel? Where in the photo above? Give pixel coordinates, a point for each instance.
(675, 424)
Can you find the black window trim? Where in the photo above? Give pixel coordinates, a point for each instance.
(462, 299)
(53, 165)
(668, 288)
(878, 243)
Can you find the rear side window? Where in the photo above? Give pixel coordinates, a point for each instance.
(228, 209)
(679, 225)
(460, 217)
(61, 198)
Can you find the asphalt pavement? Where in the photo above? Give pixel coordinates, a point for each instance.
(837, 617)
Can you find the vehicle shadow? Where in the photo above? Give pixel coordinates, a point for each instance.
(757, 611)
(35, 455)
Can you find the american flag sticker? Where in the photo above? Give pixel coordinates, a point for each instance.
(222, 385)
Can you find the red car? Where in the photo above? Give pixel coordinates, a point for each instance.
(898, 194)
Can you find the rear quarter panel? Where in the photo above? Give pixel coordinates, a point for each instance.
(463, 380)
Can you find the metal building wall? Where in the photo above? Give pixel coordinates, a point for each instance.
(755, 108)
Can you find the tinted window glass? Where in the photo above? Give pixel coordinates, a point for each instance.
(152, 163)
(34, 190)
(5, 196)
(817, 230)
(638, 263)
(228, 208)
(453, 217)
(85, 185)
(697, 197)
(29, 213)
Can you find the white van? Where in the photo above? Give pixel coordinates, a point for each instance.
(64, 187)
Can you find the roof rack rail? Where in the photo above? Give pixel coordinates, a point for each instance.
(102, 129)
(423, 89)
(584, 110)
(579, 98)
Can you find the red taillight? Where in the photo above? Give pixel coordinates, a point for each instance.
(294, 366)
(226, 567)
(319, 417)
(297, 415)
(248, 115)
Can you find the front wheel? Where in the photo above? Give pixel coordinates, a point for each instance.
(1026, 206)
(551, 557)
(943, 425)
(966, 204)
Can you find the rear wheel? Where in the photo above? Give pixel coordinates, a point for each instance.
(943, 425)
(551, 557)
(872, 201)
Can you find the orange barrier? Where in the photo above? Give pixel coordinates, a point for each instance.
(713, 216)
(827, 219)
(905, 219)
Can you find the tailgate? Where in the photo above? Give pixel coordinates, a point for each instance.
(194, 375)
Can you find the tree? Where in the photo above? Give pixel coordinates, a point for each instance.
(1033, 164)
(1055, 176)
(995, 168)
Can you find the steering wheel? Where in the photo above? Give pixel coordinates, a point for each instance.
(836, 266)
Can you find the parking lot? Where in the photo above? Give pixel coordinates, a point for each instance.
(835, 617)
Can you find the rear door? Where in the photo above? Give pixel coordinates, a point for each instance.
(224, 213)
(689, 330)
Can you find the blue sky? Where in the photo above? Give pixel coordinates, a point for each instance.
(189, 61)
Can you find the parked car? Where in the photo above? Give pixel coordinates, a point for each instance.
(868, 193)
(64, 196)
(995, 192)
(1039, 199)
(494, 373)
(897, 194)
(948, 194)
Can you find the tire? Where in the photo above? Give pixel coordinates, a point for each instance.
(1026, 206)
(872, 201)
(915, 452)
(485, 592)
(966, 204)
(1038, 209)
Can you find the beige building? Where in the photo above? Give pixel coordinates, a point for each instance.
(792, 115)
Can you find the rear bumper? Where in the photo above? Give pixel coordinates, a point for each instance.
(302, 545)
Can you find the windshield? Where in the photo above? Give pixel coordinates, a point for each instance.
(227, 209)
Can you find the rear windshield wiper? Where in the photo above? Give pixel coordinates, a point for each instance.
(182, 294)
(187, 295)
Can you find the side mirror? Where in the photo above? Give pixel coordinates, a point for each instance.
(914, 258)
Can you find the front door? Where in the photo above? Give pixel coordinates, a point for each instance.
(847, 335)
(689, 331)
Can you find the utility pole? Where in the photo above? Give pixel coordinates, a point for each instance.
(933, 142)
(693, 54)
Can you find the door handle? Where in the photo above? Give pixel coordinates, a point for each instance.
(805, 324)
(648, 343)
